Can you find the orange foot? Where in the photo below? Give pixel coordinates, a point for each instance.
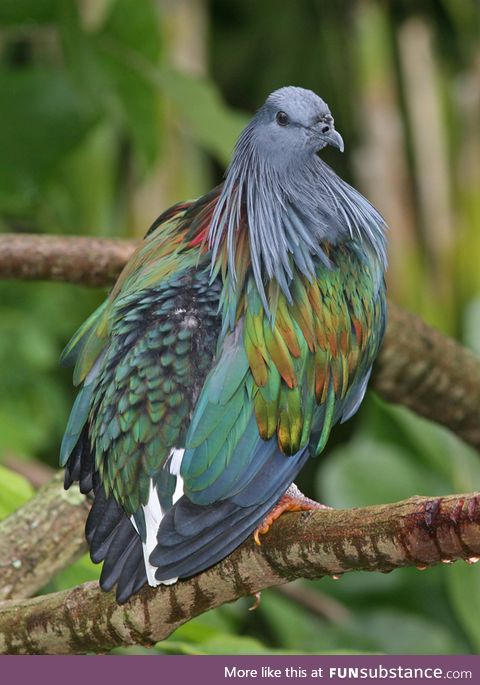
(292, 500)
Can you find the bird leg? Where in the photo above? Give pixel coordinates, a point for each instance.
(292, 500)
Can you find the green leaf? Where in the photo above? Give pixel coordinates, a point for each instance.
(428, 441)
(204, 627)
(463, 582)
(169, 647)
(14, 492)
(214, 633)
(81, 196)
(110, 67)
(294, 628)
(465, 466)
(363, 585)
(134, 26)
(422, 441)
(203, 113)
(43, 119)
(14, 12)
(231, 644)
(119, 68)
(368, 472)
(81, 571)
(16, 434)
(128, 43)
(400, 632)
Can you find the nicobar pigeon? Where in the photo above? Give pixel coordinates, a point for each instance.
(242, 329)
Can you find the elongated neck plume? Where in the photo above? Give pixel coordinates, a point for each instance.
(292, 210)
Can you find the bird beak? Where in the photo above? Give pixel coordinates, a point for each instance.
(334, 139)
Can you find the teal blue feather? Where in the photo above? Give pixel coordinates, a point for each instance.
(226, 475)
(76, 422)
(203, 465)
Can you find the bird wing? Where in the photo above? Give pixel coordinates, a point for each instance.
(141, 360)
(285, 381)
(150, 264)
(133, 357)
(161, 348)
(312, 365)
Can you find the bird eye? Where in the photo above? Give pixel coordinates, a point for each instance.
(282, 118)
(327, 120)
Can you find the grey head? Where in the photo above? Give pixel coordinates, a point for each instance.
(294, 123)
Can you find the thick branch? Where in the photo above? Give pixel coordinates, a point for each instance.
(417, 532)
(41, 538)
(429, 373)
(89, 261)
(418, 366)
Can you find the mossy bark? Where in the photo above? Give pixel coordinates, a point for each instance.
(41, 538)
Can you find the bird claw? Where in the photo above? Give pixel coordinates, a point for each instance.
(292, 500)
(258, 598)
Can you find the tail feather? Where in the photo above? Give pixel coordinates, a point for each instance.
(193, 537)
(111, 518)
(132, 574)
(118, 555)
(113, 539)
(205, 520)
(80, 466)
(100, 550)
(191, 520)
(130, 583)
(187, 558)
(111, 536)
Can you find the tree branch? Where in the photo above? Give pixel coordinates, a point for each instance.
(88, 261)
(420, 532)
(41, 538)
(418, 366)
(430, 373)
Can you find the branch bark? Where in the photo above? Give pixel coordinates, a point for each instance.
(418, 366)
(41, 538)
(87, 261)
(417, 532)
(430, 373)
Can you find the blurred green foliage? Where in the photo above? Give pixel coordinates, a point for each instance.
(113, 109)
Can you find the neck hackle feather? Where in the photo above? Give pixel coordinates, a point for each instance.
(291, 215)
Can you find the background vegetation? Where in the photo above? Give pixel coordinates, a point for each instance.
(110, 110)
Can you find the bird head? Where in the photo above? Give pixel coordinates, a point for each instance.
(294, 123)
